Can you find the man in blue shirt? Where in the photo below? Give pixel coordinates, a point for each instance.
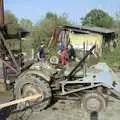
(41, 52)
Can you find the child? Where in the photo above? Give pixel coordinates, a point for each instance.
(62, 53)
(63, 56)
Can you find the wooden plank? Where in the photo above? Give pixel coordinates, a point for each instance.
(20, 101)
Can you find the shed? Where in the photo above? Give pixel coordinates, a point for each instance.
(109, 35)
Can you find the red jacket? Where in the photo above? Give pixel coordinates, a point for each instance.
(63, 57)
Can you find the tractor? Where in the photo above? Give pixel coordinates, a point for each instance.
(91, 86)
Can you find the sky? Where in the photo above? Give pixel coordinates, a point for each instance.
(74, 9)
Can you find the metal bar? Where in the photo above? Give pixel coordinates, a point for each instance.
(84, 73)
(77, 90)
(8, 65)
(78, 82)
(3, 39)
(20, 48)
(83, 59)
(67, 98)
(20, 101)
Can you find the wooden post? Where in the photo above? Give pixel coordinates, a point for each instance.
(20, 101)
(1, 12)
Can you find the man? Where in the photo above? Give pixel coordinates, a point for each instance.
(41, 52)
(71, 52)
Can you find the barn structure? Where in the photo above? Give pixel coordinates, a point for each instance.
(102, 37)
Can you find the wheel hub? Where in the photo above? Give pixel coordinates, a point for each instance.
(29, 90)
(93, 102)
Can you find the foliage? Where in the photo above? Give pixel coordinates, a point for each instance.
(11, 21)
(117, 24)
(113, 57)
(13, 24)
(99, 18)
(44, 29)
(27, 45)
(26, 23)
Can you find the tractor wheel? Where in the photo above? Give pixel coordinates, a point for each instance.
(93, 102)
(29, 85)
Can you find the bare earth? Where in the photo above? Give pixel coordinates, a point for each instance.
(61, 110)
(69, 110)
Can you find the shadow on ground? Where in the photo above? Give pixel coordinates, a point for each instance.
(5, 112)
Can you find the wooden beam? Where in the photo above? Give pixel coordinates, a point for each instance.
(20, 101)
(9, 51)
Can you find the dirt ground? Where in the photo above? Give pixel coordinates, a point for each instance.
(62, 110)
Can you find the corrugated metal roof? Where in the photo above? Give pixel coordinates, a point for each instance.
(91, 29)
(74, 29)
(24, 32)
(97, 29)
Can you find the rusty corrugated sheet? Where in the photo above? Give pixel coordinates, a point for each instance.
(101, 30)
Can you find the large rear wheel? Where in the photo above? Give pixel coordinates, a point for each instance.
(29, 85)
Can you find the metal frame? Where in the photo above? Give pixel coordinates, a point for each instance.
(68, 80)
(5, 49)
(9, 51)
(71, 80)
(73, 72)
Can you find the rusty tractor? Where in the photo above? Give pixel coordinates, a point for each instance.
(91, 86)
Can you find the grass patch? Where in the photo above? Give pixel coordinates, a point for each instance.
(112, 58)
